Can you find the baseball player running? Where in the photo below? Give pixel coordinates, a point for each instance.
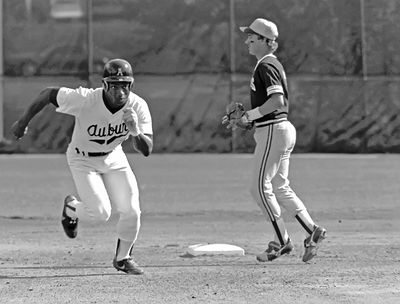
(104, 118)
(275, 139)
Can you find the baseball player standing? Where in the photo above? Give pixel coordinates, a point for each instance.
(104, 118)
(275, 139)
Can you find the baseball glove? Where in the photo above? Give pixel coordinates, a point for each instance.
(235, 117)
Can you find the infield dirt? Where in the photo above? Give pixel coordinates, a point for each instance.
(203, 198)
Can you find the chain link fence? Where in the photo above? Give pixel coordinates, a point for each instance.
(342, 59)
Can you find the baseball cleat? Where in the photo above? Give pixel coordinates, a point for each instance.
(69, 224)
(274, 251)
(312, 242)
(128, 266)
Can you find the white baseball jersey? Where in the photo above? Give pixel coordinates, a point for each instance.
(96, 128)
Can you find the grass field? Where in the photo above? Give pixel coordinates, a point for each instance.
(203, 198)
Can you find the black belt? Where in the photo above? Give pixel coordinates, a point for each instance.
(96, 154)
(92, 154)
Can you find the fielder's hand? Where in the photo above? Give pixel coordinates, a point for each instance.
(236, 117)
(132, 121)
(19, 129)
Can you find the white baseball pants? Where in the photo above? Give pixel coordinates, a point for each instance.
(102, 182)
(270, 184)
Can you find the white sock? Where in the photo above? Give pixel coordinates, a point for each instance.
(72, 212)
(124, 249)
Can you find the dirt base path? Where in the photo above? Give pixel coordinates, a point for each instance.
(357, 263)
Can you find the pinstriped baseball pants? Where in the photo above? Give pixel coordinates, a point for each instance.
(270, 184)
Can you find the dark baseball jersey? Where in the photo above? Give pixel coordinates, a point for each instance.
(269, 78)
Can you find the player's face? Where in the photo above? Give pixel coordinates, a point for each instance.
(118, 93)
(255, 45)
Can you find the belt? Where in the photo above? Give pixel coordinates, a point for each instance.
(270, 122)
(92, 154)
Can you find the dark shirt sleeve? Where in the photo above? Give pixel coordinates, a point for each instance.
(53, 96)
(272, 79)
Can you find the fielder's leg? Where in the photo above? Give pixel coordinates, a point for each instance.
(288, 199)
(266, 164)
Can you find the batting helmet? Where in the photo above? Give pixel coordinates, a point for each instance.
(118, 70)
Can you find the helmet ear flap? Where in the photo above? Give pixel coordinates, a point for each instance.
(105, 85)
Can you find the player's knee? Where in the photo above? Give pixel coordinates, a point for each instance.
(134, 213)
(130, 212)
(130, 221)
(101, 214)
(265, 190)
(284, 190)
